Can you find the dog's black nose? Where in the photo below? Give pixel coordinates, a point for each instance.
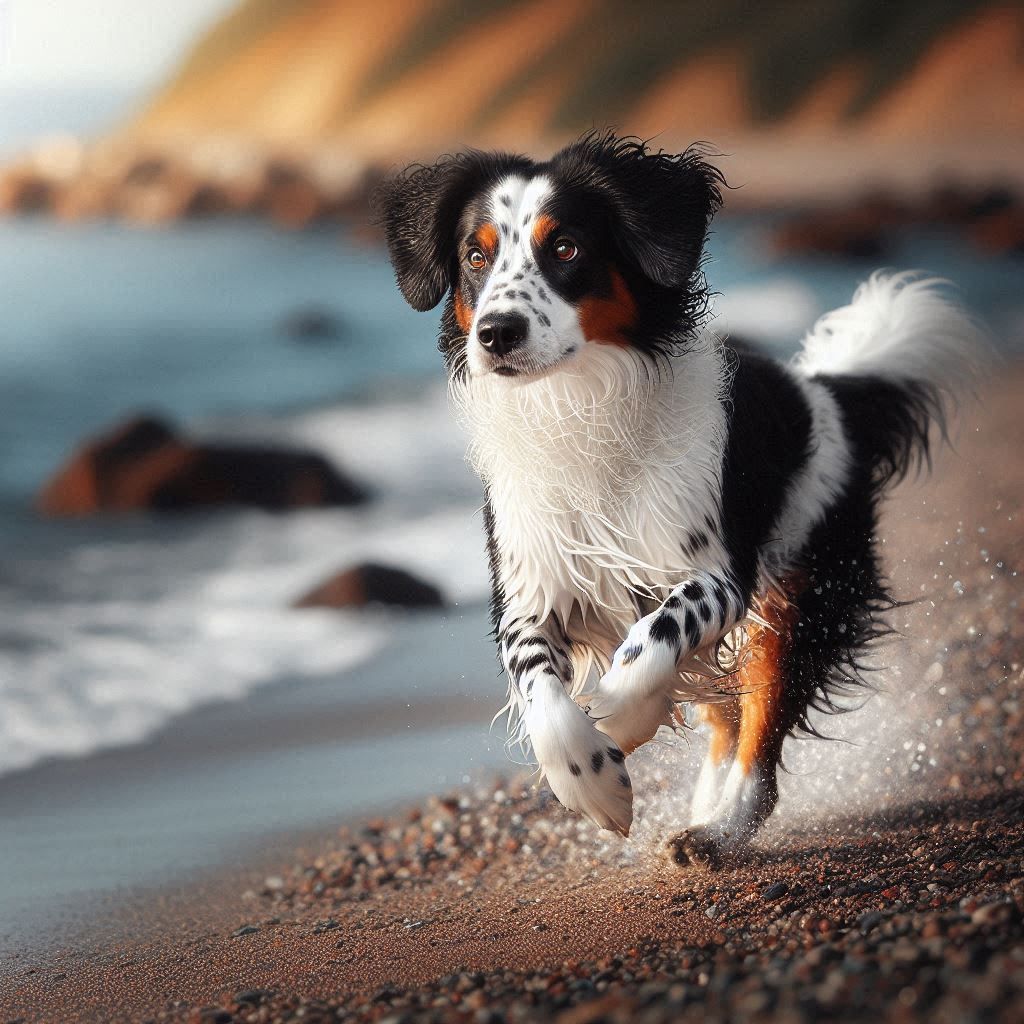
(501, 332)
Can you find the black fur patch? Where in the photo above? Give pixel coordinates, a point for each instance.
(511, 636)
(887, 423)
(420, 211)
(616, 755)
(597, 760)
(842, 610)
(494, 566)
(769, 437)
(665, 629)
(630, 654)
(692, 629)
(522, 668)
(574, 768)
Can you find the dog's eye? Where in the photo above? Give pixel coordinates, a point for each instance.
(565, 250)
(476, 259)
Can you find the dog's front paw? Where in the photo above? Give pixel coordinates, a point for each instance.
(585, 769)
(632, 698)
(629, 720)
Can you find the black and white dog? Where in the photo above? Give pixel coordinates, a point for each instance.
(671, 516)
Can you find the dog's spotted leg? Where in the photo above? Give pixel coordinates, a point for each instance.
(584, 768)
(750, 790)
(635, 696)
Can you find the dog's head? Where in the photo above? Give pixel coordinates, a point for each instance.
(602, 244)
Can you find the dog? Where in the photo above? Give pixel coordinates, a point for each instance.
(672, 517)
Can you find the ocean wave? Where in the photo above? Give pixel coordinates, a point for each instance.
(114, 629)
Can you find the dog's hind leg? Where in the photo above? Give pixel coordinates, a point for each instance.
(723, 723)
(750, 789)
(821, 622)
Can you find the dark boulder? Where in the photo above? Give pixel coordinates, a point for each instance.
(144, 464)
(856, 232)
(370, 583)
(313, 325)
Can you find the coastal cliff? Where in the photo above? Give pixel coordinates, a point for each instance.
(291, 108)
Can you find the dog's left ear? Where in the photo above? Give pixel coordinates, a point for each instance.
(420, 211)
(660, 204)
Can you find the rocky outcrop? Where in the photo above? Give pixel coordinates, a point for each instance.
(371, 583)
(312, 325)
(160, 184)
(992, 218)
(144, 464)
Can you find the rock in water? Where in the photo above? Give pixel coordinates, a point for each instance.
(312, 324)
(370, 583)
(144, 464)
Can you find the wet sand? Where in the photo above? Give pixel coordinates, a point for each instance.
(891, 885)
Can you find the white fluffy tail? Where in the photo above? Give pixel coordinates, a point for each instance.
(905, 329)
(899, 359)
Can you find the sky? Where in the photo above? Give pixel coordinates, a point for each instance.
(97, 44)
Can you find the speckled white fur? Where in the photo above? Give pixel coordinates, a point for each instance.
(555, 334)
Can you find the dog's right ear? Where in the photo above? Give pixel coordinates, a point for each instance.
(420, 211)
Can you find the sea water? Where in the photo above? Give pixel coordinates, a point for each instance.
(111, 627)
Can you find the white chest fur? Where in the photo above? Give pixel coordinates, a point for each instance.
(605, 482)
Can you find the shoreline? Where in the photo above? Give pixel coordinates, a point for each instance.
(157, 182)
(291, 757)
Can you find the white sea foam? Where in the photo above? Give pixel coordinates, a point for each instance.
(108, 637)
(776, 311)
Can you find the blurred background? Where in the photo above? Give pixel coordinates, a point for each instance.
(241, 567)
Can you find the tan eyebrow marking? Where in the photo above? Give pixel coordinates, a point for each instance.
(487, 239)
(543, 228)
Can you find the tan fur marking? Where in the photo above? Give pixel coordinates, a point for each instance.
(487, 239)
(605, 319)
(724, 721)
(763, 676)
(463, 313)
(543, 228)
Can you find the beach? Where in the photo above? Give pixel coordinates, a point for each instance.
(888, 886)
(250, 768)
